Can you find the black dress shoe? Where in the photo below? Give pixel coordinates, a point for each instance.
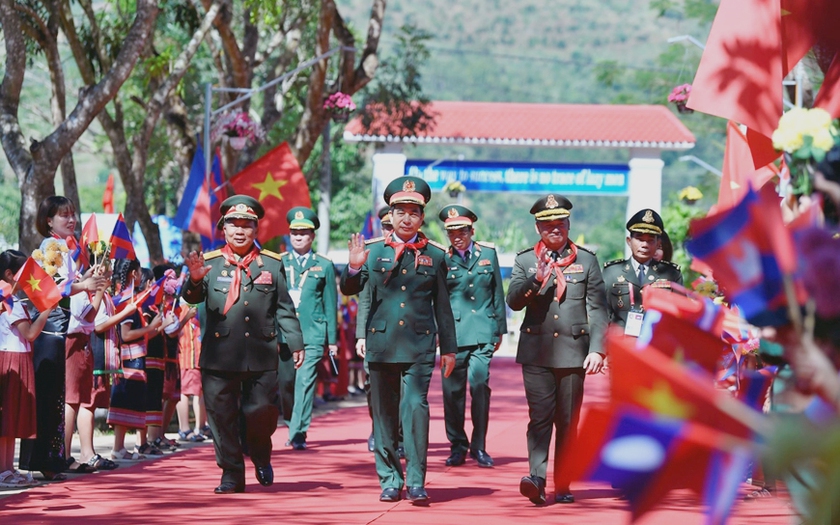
(229, 487)
(265, 475)
(564, 497)
(482, 458)
(533, 488)
(299, 445)
(401, 452)
(371, 443)
(417, 494)
(456, 459)
(391, 495)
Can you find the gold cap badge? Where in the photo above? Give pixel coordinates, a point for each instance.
(408, 185)
(453, 212)
(241, 207)
(298, 215)
(550, 202)
(648, 218)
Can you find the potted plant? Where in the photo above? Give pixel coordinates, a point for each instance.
(339, 105)
(454, 189)
(239, 129)
(679, 96)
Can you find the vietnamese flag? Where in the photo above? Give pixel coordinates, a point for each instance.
(37, 285)
(650, 380)
(108, 196)
(90, 233)
(277, 182)
(739, 169)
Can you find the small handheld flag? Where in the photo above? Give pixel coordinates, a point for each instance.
(121, 247)
(37, 285)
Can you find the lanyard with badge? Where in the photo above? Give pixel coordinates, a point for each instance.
(633, 325)
(294, 291)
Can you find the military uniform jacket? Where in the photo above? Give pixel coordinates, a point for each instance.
(559, 334)
(405, 307)
(476, 295)
(318, 308)
(246, 338)
(618, 278)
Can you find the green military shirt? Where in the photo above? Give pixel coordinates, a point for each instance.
(476, 295)
(620, 279)
(246, 338)
(559, 333)
(406, 305)
(318, 306)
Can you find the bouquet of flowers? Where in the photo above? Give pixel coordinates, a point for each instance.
(340, 105)
(805, 136)
(679, 96)
(690, 194)
(51, 257)
(100, 251)
(454, 188)
(238, 125)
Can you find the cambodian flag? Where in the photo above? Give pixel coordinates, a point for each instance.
(151, 296)
(122, 299)
(367, 230)
(121, 247)
(750, 252)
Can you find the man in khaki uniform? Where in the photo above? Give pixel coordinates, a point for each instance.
(559, 285)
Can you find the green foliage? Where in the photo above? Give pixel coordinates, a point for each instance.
(677, 215)
(9, 213)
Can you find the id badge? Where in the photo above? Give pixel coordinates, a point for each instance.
(633, 326)
(294, 293)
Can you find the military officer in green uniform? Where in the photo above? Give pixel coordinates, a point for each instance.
(474, 281)
(405, 276)
(385, 220)
(625, 278)
(245, 296)
(311, 281)
(559, 285)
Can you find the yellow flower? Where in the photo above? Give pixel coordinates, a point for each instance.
(50, 269)
(54, 259)
(63, 248)
(691, 194)
(38, 255)
(823, 139)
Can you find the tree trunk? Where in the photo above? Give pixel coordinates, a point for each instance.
(325, 190)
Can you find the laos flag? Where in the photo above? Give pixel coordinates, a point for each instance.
(750, 252)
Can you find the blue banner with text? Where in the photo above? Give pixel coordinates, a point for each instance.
(523, 177)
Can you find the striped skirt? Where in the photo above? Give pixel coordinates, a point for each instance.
(128, 395)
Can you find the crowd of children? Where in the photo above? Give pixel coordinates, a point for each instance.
(130, 346)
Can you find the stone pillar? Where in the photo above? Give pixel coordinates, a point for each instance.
(388, 164)
(644, 185)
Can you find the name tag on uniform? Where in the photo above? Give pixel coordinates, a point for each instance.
(532, 270)
(453, 268)
(484, 262)
(424, 260)
(294, 293)
(224, 279)
(633, 326)
(574, 268)
(383, 259)
(264, 278)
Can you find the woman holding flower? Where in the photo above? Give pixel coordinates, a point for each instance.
(56, 221)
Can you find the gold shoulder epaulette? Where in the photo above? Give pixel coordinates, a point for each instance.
(587, 250)
(669, 263)
(269, 253)
(486, 244)
(213, 254)
(437, 245)
(375, 239)
(613, 262)
(525, 250)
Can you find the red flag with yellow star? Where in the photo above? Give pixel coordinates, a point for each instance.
(37, 285)
(653, 381)
(276, 180)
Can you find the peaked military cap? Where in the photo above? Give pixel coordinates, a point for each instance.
(384, 215)
(456, 216)
(646, 221)
(408, 190)
(551, 208)
(240, 207)
(300, 218)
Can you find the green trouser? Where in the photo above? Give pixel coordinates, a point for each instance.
(399, 395)
(554, 396)
(305, 393)
(286, 379)
(472, 363)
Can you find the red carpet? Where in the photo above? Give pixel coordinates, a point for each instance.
(334, 482)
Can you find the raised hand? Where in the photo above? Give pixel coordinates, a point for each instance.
(543, 267)
(195, 264)
(358, 253)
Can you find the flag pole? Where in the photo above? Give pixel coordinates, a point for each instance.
(793, 305)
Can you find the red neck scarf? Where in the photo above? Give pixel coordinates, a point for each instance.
(400, 247)
(243, 264)
(555, 267)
